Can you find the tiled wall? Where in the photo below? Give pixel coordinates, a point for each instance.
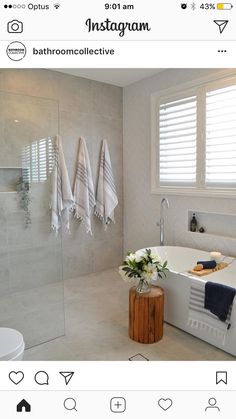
(33, 262)
(142, 209)
(93, 110)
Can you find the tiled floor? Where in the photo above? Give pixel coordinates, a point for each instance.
(96, 311)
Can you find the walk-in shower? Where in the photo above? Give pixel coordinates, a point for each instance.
(31, 276)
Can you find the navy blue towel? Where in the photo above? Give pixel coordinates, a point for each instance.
(218, 299)
(208, 264)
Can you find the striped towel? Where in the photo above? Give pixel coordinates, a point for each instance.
(106, 199)
(61, 194)
(84, 195)
(202, 319)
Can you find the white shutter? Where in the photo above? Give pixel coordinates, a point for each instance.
(38, 158)
(221, 137)
(178, 142)
(26, 163)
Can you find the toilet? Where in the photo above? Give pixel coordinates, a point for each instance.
(12, 345)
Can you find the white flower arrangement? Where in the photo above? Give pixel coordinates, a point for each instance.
(142, 264)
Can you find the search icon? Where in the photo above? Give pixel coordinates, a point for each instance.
(70, 404)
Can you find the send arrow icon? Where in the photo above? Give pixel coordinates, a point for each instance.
(67, 375)
(221, 24)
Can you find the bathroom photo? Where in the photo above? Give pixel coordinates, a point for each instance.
(118, 214)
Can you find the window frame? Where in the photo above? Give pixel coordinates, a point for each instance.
(198, 87)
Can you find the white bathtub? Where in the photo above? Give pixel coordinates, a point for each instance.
(177, 290)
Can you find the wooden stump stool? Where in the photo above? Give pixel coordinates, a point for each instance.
(146, 315)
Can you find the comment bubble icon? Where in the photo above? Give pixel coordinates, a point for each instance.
(41, 378)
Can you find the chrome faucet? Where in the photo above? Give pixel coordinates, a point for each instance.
(161, 222)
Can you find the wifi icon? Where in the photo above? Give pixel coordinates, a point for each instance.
(56, 5)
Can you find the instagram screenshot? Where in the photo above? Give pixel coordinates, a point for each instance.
(117, 209)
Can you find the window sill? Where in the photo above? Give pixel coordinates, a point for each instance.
(208, 193)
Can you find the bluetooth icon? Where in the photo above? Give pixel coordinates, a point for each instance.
(193, 6)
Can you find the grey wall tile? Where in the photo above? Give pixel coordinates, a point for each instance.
(107, 100)
(77, 260)
(113, 230)
(31, 260)
(37, 82)
(107, 253)
(73, 93)
(30, 268)
(4, 277)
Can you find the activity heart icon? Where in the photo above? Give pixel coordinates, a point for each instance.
(165, 404)
(16, 376)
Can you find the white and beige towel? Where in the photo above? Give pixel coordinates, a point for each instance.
(84, 195)
(202, 319)
(61, 195)
(106, 198)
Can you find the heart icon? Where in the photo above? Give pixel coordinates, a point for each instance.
(16, 376)
(165, 404)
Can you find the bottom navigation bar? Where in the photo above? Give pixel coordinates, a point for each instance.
(138, 404)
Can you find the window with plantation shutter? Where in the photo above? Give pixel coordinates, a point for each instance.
(194, 139)
(37, 159)
(178, 137)
(221, 137)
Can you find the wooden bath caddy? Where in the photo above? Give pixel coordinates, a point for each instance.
(203, 272)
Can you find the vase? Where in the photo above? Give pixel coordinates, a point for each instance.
(143, 286)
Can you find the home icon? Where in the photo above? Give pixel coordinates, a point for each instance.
(23, 406)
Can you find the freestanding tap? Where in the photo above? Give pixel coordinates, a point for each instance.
(161, 222)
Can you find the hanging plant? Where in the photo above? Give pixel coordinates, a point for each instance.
(22, 188)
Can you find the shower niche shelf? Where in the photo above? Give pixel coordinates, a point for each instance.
(9, 177)
(214, 223)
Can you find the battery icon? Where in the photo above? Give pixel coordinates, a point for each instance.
(224, 6)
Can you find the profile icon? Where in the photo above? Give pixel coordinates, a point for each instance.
(16, 51)
(212, 405)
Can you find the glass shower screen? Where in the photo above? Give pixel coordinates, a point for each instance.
(31, 280)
